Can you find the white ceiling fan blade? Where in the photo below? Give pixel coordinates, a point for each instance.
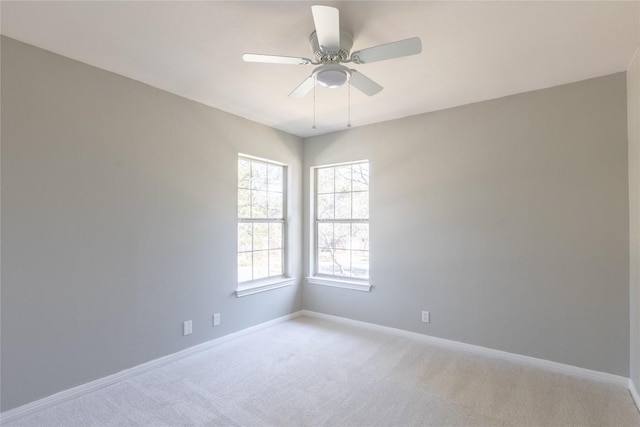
(364, 84)
(304, 88)
(382, 52)
(275, 59)
(327, 22)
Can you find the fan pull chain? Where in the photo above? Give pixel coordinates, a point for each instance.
(314, 102)
(349, 105)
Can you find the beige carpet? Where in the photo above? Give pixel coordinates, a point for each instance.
(308, 372)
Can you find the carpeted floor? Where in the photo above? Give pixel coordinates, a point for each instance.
(308, 372)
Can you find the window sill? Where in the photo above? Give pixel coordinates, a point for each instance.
(263, 285)
(340, 283)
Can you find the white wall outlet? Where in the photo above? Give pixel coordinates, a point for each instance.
(216, 319)
(425, 316)
(187, 327)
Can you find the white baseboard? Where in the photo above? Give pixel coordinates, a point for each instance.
(527, 360)
(634, 393)
(80, 390)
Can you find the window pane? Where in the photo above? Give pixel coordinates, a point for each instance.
(275, 235)
(325, 206)
(325, 262)
(260, 265)
(342, 262)
(244, 203)
(261, 195)
(342, 197)
(343, 178)
(244, 173)
(259, 204)
(360, 262)
(343, 205)
(275, 205)
(325, 180)
(258, 176)
(260, 236)
(244, 237)
(275, 262)
(342, 236)
(360, 236)
(360, 177)
(244, 266)
(325, 235)
(274, 178)
(361, 205)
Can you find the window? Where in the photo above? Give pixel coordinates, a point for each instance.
(261, 222)
(342, 223)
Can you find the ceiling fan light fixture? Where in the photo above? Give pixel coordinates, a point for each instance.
(331, 75)
(332, 78)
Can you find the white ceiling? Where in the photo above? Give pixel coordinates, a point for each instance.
(472, 51)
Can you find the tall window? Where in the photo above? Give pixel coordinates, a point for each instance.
(342, 221)
(261, 219)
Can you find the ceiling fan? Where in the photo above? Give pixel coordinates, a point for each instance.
(331, 47)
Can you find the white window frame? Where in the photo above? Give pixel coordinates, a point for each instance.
(272, 282)
(315, 278)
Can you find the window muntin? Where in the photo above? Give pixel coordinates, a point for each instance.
(261, 219)
(342, 221)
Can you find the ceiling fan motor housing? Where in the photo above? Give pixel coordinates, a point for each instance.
(323, 55)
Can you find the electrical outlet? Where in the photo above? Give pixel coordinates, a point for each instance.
(187, 327)
(216, 319)
(425, 316)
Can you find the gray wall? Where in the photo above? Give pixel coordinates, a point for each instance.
(119, 222)
(633, 123)
(507, 219)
